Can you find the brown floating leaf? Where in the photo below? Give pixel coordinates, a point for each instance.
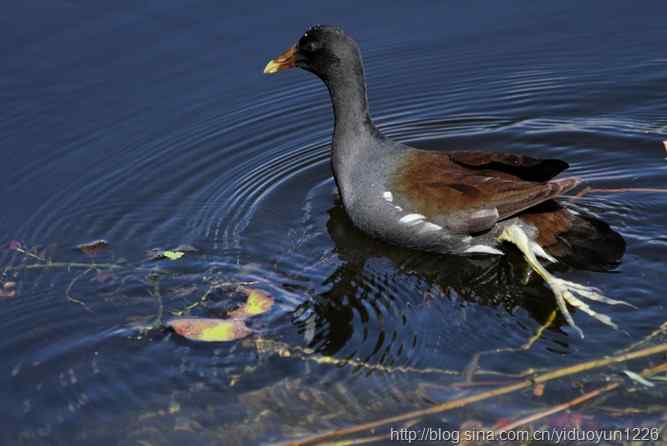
(258, 302)
(8, 290)
(538, 389)
(14, 245)
(93, 248)
(103, 276)
(210, 329)
(664, 143)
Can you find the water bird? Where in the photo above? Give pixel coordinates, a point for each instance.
(454, 202)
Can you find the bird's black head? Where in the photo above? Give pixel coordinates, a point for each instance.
(323, 50)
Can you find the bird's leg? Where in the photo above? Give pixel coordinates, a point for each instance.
(526, 273)
(563, 290)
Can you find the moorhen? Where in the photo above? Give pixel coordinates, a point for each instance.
(460, 202)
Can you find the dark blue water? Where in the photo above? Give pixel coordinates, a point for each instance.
(150, 125)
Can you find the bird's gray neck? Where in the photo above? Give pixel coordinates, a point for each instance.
(350, 106)
(354, 131)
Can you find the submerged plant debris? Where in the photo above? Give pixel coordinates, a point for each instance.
(188, 295)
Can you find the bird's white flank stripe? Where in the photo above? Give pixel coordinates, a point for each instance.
(411, 218)
(428, 226)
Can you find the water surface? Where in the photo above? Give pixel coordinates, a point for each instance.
(151, 126)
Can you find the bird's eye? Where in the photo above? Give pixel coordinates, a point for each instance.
(312, 47)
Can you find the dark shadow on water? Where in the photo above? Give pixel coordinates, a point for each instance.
(494, 281)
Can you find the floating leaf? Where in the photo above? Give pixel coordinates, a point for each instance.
(258, 302)
(659, 378)
(186, 248)
(538, 389)
(8, 290)
(173, 255)
(637, 377)
(94, 247)
(161, 254)
(210, 329)
(174, 407)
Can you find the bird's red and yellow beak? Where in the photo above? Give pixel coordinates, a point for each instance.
(283, 62)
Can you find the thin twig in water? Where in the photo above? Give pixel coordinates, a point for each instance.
(68, 290)
(155, 292)
(212, 286)
(79, 265)
(576, 401)
(589, 190)
(31, 254)
(559, 408)
(657, 332)
(473, 366)
(370, 439)
(286, 351)
(358, 441)
(462, 402)
(195, 304)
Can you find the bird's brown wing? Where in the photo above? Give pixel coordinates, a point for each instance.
(466, 200)
(519, 166)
